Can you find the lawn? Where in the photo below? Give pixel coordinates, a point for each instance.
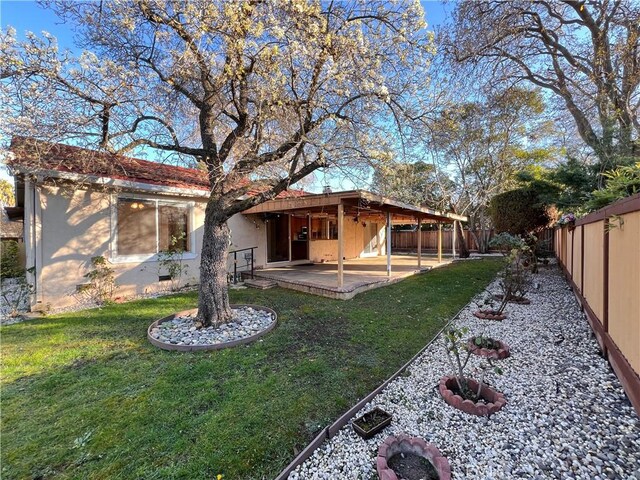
(84, 395)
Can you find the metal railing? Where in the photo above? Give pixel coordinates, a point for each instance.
(249, 263)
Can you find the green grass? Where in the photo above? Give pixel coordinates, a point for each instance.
(84, 395)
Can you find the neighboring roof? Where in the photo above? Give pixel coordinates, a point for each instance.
(359, 201)
(56, 159)
(11, 229)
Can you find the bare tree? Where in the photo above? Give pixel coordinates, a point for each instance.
(586, 54)
(482, 145)
(259, 94)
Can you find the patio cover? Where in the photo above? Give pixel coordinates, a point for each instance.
(355, 202)
(361, 204)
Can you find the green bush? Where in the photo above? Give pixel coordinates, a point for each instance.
(620, 183)
(10, 265)
(519, 212)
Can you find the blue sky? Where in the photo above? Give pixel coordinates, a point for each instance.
(27, 15)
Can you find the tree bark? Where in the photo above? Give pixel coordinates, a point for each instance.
(213, 298)
(462, 243)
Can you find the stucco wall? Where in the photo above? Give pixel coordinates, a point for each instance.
(77, 225)
(354, 233)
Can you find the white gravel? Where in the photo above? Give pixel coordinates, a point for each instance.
(246, 321)
(566, 415)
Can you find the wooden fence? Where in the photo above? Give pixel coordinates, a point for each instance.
(601, 259)
(405, 240)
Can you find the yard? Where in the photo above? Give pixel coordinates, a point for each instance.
(84, 395)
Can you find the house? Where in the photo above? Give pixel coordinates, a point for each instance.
(80, 203)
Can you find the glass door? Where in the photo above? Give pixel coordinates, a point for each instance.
(278, 238)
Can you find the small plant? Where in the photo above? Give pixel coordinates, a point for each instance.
(458, 356)
(102, 285)
(483, 341)
(171, 261)
(487, 305)
(566, 219)
(14, 296)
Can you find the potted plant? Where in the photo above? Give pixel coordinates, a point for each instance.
(568, 219)
(460, 391)
(488, 347)
(372, 422)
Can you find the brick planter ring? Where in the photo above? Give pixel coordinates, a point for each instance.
(489, 315)
(417, 446)
(502, 352)
(495, 400)
(215, 346)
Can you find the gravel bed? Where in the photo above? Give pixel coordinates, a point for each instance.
(246, 321)
(566, 417)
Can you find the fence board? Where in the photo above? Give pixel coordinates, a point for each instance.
(603, 266)
(624, 287)
(593, 273)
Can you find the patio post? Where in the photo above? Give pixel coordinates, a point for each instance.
(439, 242)
(453, 243)
(419, 243)
(340, 245)
(388, 243)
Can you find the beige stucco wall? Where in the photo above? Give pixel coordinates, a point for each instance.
(77, 225)
(327, 250)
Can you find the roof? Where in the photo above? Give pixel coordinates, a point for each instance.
(359, 202)
(38, 156)
(11, 228)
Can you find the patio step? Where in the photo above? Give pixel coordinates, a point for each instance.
(260, 283)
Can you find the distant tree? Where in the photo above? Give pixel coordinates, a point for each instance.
(258, 94)
(585, 54)
(7, 197)
(482, 145)
(416, 183)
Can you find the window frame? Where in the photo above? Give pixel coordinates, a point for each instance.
(150, 257)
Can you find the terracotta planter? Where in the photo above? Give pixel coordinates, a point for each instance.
(501, 352)
(494, 400)
(394, 445)
(359, 428)
(516, 300)
(490, 315)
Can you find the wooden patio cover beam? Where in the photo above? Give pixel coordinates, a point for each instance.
(360, 200)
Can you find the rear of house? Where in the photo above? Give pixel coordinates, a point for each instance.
(79, 204)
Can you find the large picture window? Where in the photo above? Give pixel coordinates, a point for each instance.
(146, 227)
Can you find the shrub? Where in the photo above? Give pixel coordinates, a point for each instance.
(102, 285)
(519, 212)
(10, 265)
(621, 182)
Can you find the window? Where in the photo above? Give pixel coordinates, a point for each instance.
(324, 229)
(146, 227)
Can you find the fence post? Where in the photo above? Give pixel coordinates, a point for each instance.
(582, 227)
(605, 287)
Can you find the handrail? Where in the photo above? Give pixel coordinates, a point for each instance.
(235, 261)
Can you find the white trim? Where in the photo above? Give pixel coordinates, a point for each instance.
(38, 242)
(29, 237)
(150, 257)
(114, 182)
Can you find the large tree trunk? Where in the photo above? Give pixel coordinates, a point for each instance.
(462, 243)
(213, 299)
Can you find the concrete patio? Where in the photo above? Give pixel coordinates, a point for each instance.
(360, 274)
